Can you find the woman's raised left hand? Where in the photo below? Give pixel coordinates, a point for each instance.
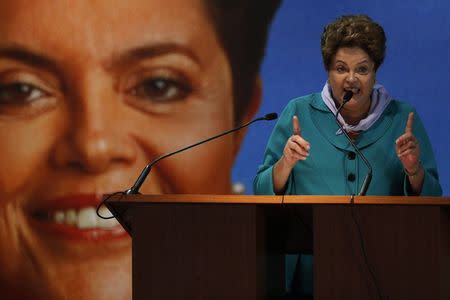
(408, 149)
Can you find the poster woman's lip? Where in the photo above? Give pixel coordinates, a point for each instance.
(74, 217)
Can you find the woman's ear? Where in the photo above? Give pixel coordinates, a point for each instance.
(252, 109)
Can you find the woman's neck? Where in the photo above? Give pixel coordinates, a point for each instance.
(353, 118)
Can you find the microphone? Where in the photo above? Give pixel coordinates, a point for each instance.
(137, 185)
(347, 96)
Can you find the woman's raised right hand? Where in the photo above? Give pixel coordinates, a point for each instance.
(296, 147)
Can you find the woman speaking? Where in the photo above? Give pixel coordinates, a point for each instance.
(326, 143)
(308, 153)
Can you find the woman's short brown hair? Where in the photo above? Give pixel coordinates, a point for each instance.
(353, 31)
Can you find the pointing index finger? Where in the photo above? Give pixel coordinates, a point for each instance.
(409, 123)
(296, 125)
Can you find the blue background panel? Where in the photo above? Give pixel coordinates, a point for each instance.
(416, 69)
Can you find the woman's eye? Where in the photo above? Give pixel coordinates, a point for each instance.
(161, 89)
(19, 93)
(340, 69)
(362, 70)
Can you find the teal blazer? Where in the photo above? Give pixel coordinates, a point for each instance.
(332, 167)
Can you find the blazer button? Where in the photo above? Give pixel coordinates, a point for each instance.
(351, 177)
(351, 155)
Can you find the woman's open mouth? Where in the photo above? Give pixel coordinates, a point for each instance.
(354, 90)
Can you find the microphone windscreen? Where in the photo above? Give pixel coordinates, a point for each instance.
(271, 116)
(347, 96)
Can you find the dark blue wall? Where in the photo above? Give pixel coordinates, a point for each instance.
(416, 69)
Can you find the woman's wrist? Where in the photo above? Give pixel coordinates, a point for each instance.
(281, 172)
(415, 172)
(287, 163)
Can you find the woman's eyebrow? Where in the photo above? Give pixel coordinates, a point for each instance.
(365, 61)
(358, 63)
(29, 57)
(154, 50)
(340, 61)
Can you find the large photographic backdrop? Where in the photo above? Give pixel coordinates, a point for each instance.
(416, 69)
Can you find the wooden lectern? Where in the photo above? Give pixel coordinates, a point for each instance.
(233, 247)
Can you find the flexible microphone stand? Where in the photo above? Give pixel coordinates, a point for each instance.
(137, 185)
(140, 180)
(347, 96)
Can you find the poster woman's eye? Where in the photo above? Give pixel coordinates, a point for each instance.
(24, 99)
(160, 90)
(19, 93)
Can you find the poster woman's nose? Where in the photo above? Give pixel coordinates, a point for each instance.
(94, 144)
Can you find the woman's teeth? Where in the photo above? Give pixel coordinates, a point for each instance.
(354, 90)
(85, 218)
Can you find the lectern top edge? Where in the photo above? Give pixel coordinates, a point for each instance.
(275, 199)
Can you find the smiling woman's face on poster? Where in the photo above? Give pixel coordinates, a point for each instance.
(90, 92)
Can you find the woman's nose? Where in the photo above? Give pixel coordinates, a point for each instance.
(351, 77)
(94, 142)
